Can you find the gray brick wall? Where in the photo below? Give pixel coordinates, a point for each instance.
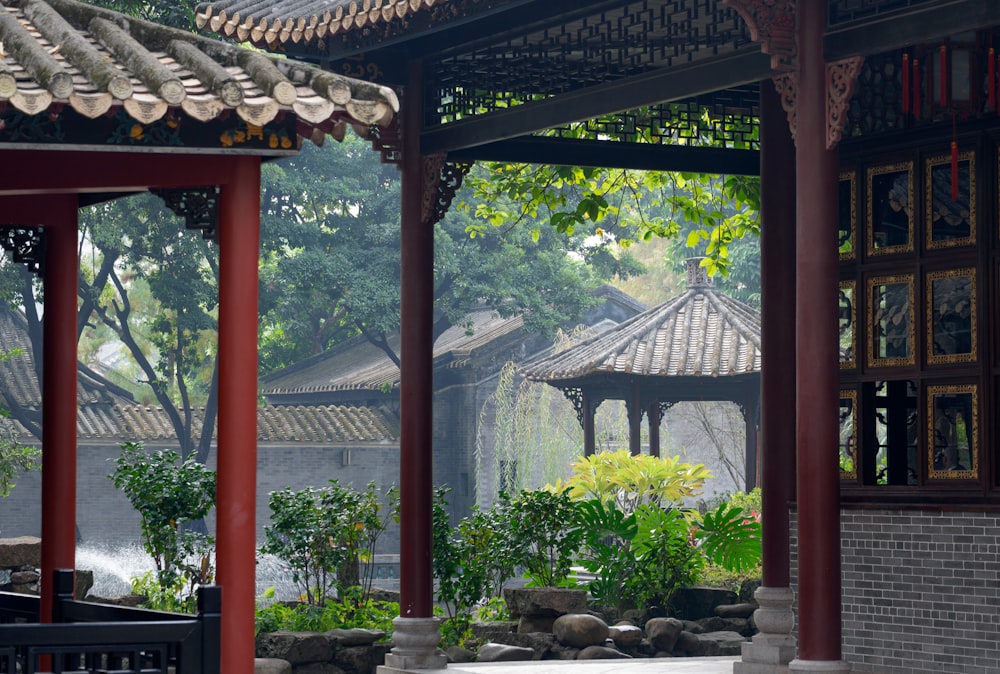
(921, 591)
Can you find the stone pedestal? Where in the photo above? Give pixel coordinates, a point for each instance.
(773, 647)
(415, 642)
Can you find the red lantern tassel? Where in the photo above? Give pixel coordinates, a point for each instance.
(916, 88)
(954, 171)
(906, 83)
(991, 81)
(944, 76)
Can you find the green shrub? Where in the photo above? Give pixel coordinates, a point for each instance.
(169, 493)
(546, 535)
(345, 613)
(159, 597)
(324, 534)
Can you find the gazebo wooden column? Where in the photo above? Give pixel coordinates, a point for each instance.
(773, 647)
(655, 415)
(816, 358)
(59, 394)
(634, 408)
(416, 630)
(239, 245)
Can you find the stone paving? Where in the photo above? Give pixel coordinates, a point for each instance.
(636, 666)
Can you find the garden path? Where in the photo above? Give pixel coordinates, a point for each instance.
(638, 666)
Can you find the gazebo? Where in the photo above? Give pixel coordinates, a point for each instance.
(886, 198)
(95, 105)
(700, 345)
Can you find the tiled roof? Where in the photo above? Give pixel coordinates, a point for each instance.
(701, 333)
(361, 366)
(59, 53)
(275, 21)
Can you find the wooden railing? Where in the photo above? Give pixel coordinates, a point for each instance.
(89, 637)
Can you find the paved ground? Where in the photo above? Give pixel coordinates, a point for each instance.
(637, 666)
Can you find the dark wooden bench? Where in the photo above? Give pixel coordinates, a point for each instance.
(105, 639)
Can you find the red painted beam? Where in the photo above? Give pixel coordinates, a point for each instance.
(24, 172)
(239, 246)
(817, 367)
(59, 395)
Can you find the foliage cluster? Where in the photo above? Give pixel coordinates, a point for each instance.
(14, 457)
(324, 534)
(169, 493)
(350, 610)
(619, 517)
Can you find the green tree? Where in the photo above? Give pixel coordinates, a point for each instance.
(330, 266)
(14, 457)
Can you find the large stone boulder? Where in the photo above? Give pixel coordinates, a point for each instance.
(542, 643)
(695, 603)
(713, 644)
(601, 653)
(20, 551)
(551, 601)
(297, 648)
(354, 637)
(579, 630)
(625, 636)
(663, 632)
(271, 666)
(504, 653)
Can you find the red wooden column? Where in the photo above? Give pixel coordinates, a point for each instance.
(59, 395)
(774, 647)
(416, 633)
(817, 370)
(239, 246)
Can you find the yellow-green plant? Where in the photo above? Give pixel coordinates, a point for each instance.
(629, 481)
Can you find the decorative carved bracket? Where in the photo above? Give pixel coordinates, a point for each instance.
(199, 208)
(441, 179)
(841, 76)
(387, 142)
(27, 245)
(772, 24)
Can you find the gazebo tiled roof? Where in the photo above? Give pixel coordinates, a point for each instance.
(56, 54)
(276, 21)
(700, 333)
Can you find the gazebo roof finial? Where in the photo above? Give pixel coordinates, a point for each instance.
(697, 276)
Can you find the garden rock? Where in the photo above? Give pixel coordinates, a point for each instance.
(744, 610)
(486, 631)
(687, 643)
(695, 603)
(83, 580)
(625, 636)
(663, 633)
(580, 630)
(715, 643)
(503, 653)
(542, 643)
(459, 655)
(319, 668)
(271, 666)
(748, 588)
(356, 659)
(295, 647)
(528, 624)
(354, 637)
(542, 601)
(20, 551)
(601, 653)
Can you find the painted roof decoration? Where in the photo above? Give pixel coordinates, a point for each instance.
(275, 21)
(700, 333)
(59, 53)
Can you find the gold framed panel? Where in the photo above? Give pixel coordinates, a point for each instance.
(847, 195)
(889, 225)
(950, 223)
(848, 322)
(848, 435)
(891, 332)
(953, 432)
(951, 316)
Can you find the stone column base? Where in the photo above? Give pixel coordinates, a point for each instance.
(415, 646)
(826, 666)
(773, 647)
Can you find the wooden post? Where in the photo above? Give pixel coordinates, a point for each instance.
(817, 358)
(239, 249)
(59, 397)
